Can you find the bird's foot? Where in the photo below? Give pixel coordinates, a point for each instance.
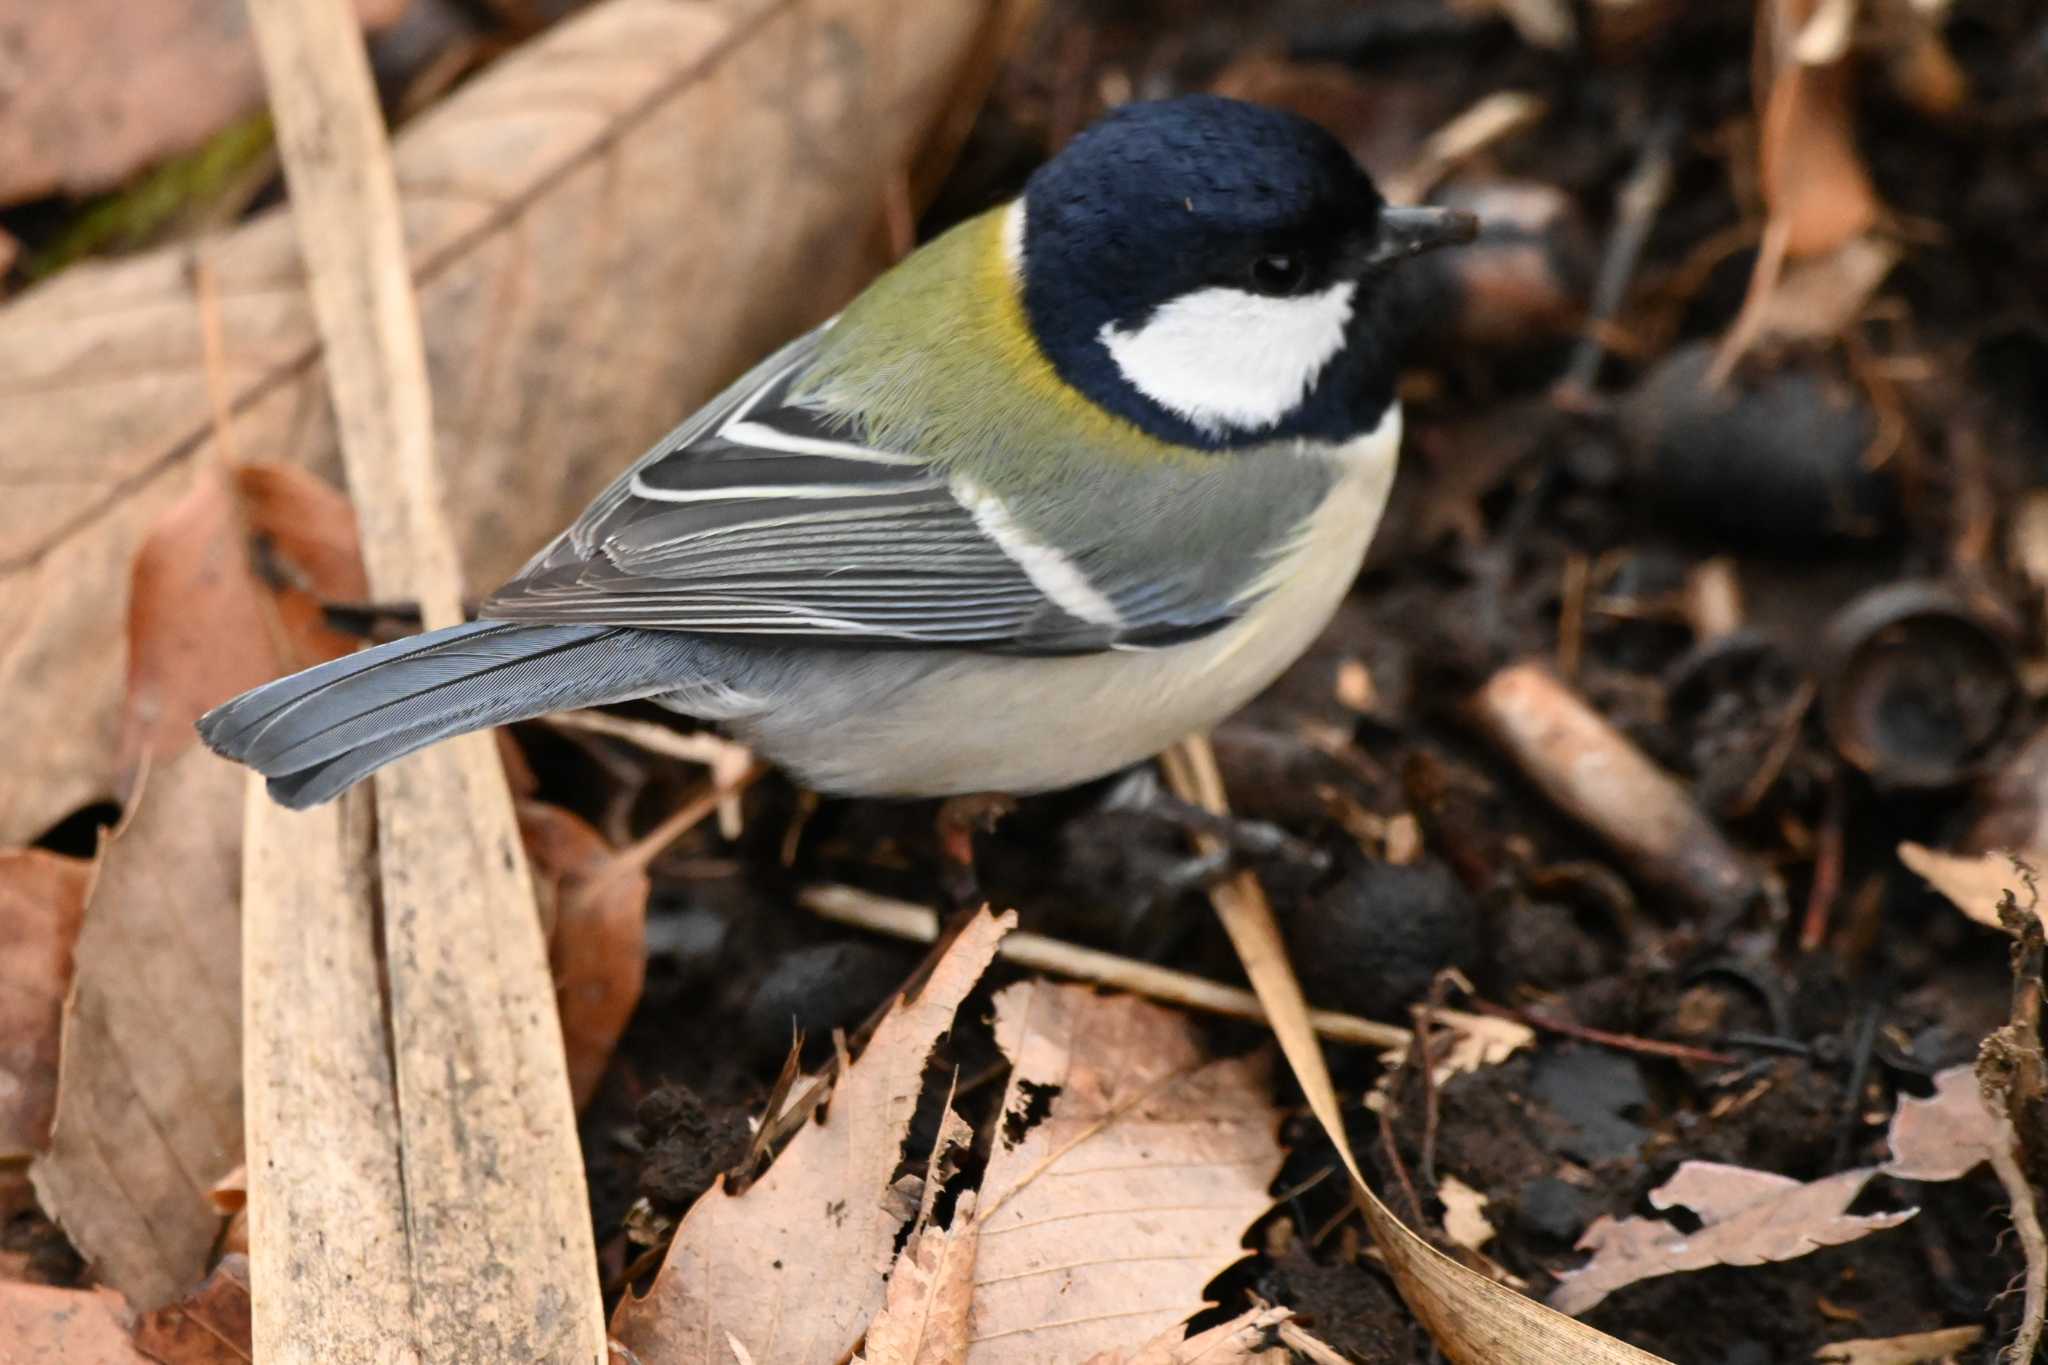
(1239, 842)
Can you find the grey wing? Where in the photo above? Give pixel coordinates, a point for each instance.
(768, 516)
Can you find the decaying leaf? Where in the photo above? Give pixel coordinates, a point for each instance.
(1814, 182)
(794, 1269)
(1819, 298)
(1245, 1339)
(149, 1091)
(1978, 884)
(1472, 1042)
(1106, 1217)
(924, 1312)
(95, 89)
(40, 1325)
(1749, 1218)
(1943, 1137)
(42, 899)
(225, 595)
(209, 1326)
(1916, 1348)
(569, 318)
(598, 945)
(1464, 1213)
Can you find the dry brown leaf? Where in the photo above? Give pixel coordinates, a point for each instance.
(794, 1269)
(1112, 1212)
(1977, 884)
(1814, 182)
(924, 1312)
(1817, 299)
(1476, 1040)
(209, 1326)
(1247, 1339)
(1748, 1217)
(149, 1091)
(574, 305)
(96, 89)
(1946, 1136)
(1917, 1348)
(41, 1325)
(598, 946)
(225, 595)
(42, 900)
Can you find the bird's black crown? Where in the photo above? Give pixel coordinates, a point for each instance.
(1164, 198)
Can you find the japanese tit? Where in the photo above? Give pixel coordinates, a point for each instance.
(1072, 481)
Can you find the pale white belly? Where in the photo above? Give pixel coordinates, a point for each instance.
(916, 725)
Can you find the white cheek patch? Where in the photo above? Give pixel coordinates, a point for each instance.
(1229, 358)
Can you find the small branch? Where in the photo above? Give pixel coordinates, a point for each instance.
(1624, 1042)
(901, 919)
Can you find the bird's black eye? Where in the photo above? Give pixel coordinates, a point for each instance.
(1278, 272)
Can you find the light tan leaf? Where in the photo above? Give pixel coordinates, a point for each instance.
(794, 1269)
(40, 1325)
(1946, 1136)
(42, 900)
(924, 1313)
(1750, 1218)
(1977, 884)
(598, 947)
(1819, 298)
(206, 622)
(149, 1091)
(1476, 1040)
(1464, 1213)
(209, 1326)
(1247, 1339)
(96, 89)
(603, 227)
(1112, 1212)
(1916, 1348)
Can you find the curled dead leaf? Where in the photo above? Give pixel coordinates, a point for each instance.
(42, 901)
(225, 594)
(597, 906)
(1814, 181)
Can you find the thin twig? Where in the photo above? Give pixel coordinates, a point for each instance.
(726, 759)
(917, 923)
(1624, 1042)
(1637, 205)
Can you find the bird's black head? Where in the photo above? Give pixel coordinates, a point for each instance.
(1212, 271)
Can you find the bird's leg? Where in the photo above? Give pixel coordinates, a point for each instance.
(1244, 841)
(958, 819)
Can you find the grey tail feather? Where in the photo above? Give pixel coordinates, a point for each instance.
(317, 733)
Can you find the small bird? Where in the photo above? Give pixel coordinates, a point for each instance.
(1072, 481)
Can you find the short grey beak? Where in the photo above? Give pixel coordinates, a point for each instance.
(1410, 232)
